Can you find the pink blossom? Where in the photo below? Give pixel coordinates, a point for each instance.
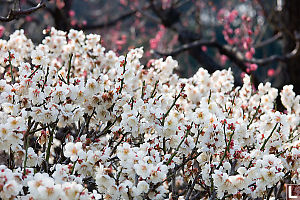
(60, 4)
(253, 67)
(158, 37)
(249, 40)
(226, 27)
(204, 48)
(271, 72)
(230, 41)
(166, 4)
(153, 44)
(2, 29)
(245, 45)
(248, 55)
(237, 31)
(71, 13)
(232, 15)
(223, 59)
(28, 18)
(243, 74)
(120, 42)
(149, 63)
(230, 31)
(73, 22)
(124, 2)
(220, 15)
(147, 54)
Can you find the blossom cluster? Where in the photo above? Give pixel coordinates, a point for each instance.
(78, 122)
(239, 32)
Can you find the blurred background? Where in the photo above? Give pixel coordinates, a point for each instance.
(257, 37)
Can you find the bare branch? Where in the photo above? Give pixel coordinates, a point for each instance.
(15, 14)
(192, 187)
(223, 49)
(281, 58)
(269, 40)
(185, 47)
(47, 8)
(236, 56)
(179, 4)
(149, 16)
(114, 21)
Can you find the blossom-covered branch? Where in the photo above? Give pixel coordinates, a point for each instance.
(80, 122)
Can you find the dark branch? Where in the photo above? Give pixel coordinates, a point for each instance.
(185, 47)
(112, 22)
(192, 187)
(15, 14)
(47, 8)
(223, 49)
(149, 16)
(269, 40)
(281, 58)
(234, 55)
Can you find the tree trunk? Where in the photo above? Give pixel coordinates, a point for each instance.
(61, 16)
(291, 24)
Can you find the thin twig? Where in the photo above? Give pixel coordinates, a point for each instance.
(15, 14)
(192, 187)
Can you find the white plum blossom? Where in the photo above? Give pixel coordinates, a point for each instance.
(143, 169)
(125, 152)
(73, 150)
(38, 57)
(103, 126)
